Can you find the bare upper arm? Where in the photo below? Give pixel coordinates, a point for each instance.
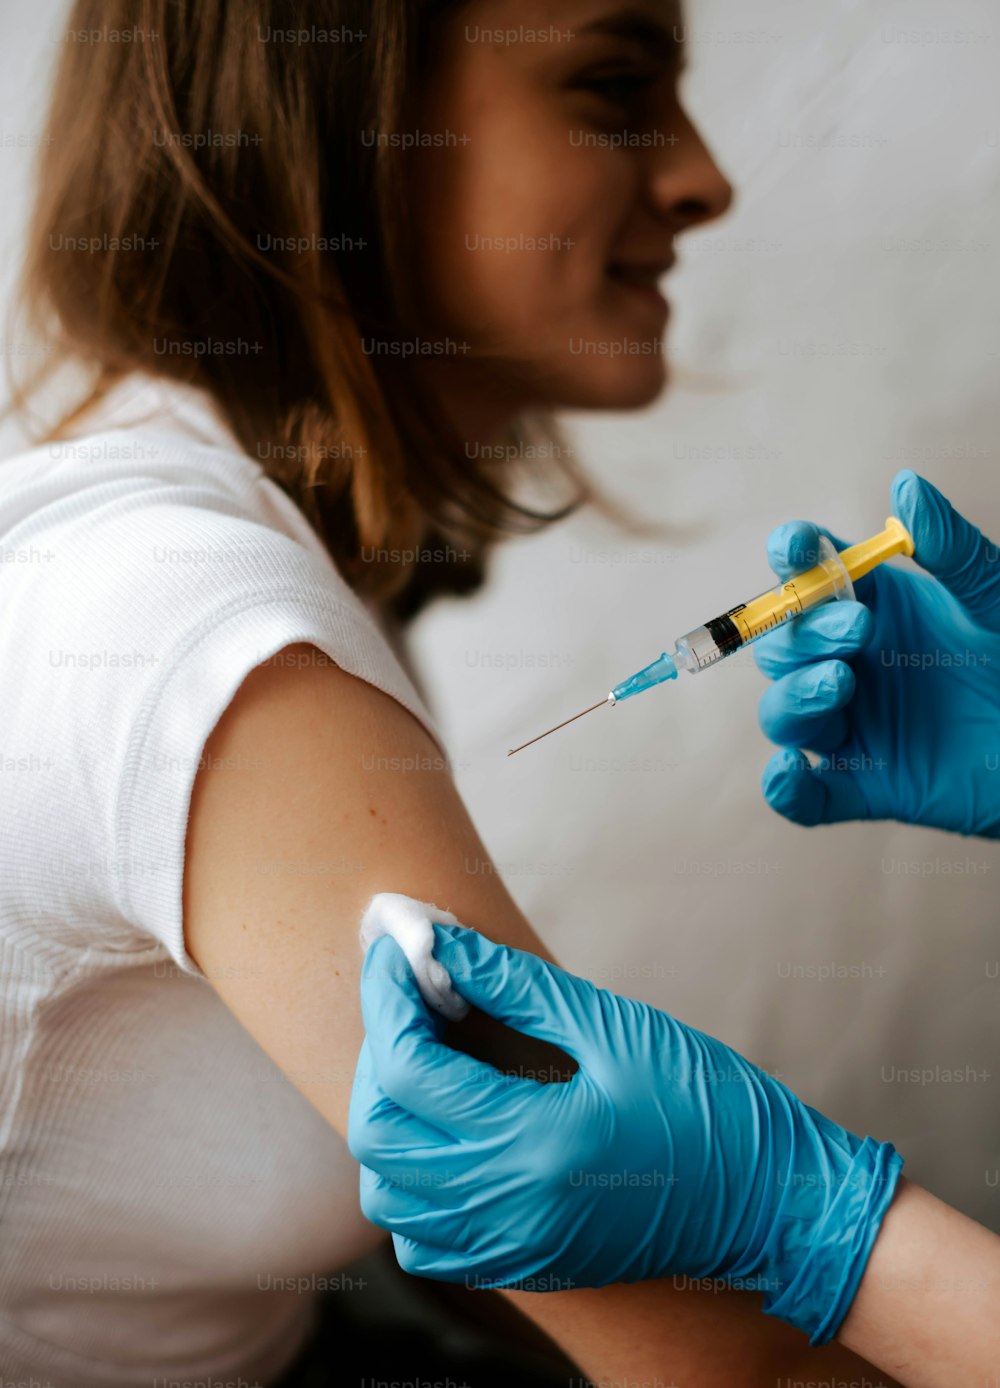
(318, 790)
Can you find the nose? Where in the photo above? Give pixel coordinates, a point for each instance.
(686, 185)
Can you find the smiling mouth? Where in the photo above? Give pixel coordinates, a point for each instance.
(641, 275)
(641, 284)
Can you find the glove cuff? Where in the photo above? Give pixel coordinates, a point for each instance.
(833, 1252)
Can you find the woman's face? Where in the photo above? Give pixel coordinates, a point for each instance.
(554, 171)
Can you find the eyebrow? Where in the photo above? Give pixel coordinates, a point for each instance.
(639, 26)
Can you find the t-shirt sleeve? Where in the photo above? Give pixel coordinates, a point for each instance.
(124, 642)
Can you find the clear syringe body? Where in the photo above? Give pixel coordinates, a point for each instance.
(829, 580)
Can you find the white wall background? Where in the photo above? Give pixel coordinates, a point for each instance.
(814, 357)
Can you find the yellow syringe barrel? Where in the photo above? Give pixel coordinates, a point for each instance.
(832, 577)
(820, 583)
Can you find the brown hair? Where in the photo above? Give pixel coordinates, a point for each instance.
(203, 135)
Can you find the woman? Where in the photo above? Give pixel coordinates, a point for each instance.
(285, 258)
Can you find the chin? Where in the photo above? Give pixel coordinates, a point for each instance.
(627, 384)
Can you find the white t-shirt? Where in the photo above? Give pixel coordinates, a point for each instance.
(163, 1186)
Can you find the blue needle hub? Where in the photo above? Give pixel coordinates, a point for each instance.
(661, 669)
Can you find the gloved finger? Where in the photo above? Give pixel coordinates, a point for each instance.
(407, 1200)
(413, 1214)
(479, 1263)
(949, 547)
(386, 1138)
(797, 709)
(424, 1260)
(384, 1201)
(809, 796)
(452, 1205)
(521, 990)
(794, 546)
(421, 1259)
(834, 630)
(386, 967)
(444, 1087)
(413, 1156)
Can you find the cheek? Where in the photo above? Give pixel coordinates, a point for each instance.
(519, 223)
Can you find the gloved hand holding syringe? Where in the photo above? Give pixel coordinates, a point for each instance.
(831, 579)
(895, 695)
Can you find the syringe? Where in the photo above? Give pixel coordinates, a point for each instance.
(831, 579)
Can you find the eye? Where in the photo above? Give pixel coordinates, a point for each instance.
(621, 89)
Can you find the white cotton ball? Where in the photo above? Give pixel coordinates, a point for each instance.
(411, 925)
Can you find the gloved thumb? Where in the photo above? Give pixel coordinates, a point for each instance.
(518, 988)
(949, 547)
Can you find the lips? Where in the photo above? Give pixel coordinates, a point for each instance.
(645, 274)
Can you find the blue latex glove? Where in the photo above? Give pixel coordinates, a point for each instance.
(910, 728)
(666, 1152)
